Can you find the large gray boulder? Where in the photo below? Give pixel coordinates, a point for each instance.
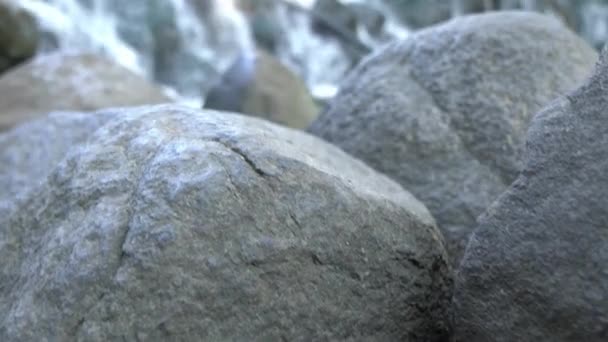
(175, 224)
(445, 112)
(536, 267)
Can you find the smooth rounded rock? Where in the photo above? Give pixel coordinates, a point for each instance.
(445, 112)
(177, 224)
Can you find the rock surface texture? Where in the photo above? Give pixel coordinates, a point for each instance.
(70, 82)
(445, 112)
(175, 224)
(30, 151)
(536, 267)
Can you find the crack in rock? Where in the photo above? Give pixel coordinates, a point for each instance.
(243, 155)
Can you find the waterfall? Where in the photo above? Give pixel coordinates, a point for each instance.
(68, 25)
(186, 45)
(173, 42)
(595, 23)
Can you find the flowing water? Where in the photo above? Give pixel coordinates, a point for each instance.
(186, 44)
(169, 41)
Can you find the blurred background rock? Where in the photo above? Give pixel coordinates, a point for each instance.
(18, 35)
(187, 45)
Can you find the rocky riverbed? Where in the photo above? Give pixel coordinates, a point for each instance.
(451, 189)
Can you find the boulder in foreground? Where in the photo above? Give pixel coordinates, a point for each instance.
(175, 224)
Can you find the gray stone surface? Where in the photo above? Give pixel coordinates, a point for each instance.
(445, 112)
(181, 225)
(73, 81)
(30, 151)
(536, 267)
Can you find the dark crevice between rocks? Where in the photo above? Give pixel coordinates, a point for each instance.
(439, 321)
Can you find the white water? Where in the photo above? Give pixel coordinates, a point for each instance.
(186, 44)
(80, 29)
(197, 49)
